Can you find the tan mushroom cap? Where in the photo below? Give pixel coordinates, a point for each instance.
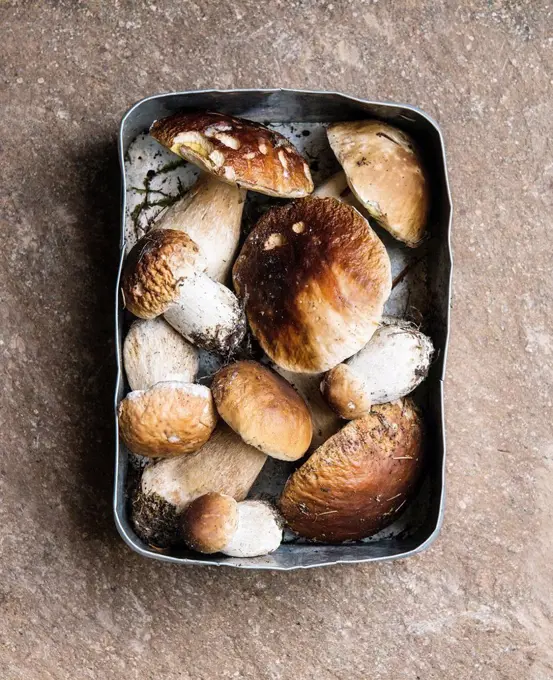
(314, 277)
(263, 409)
(385, 172)
(359, 480)
(237, 151)
(154, 270)
(169, 419)
(209, 522)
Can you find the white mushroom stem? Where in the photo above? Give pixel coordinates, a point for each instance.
(337, 186)
(258, 532)
(154, 352)
(207, 314)
(210, 214)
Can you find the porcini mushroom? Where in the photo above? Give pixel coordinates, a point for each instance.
(263, 409)
(314, 278)
(217, 523)
(326, 422)
(237, 151)
(225, 464)
(390, 366)
(359, 480)
(169, 419)
(165, 274)
(210, 213)
(154, 352)
(385, 172)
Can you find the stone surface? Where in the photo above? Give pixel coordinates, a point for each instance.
(74, 601)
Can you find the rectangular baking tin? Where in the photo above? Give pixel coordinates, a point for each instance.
(276, 105)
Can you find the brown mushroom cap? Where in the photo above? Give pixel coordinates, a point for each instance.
(169, 419)
(209, 522)
(314, 277)
(385, 172)
(359, 480)
(154, 269)
(237, 151)
(263, 409)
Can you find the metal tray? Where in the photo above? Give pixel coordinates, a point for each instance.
(278, 106)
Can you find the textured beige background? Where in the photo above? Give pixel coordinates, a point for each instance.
(75, 602)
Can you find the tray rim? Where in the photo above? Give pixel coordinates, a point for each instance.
(150, 553)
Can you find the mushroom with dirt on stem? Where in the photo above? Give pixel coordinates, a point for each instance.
(217, 523)
(391, 365)
(165, 275)
(225, 464)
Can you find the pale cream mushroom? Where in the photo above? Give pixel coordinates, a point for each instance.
(154, 352)
(217, 523)
(384, 170)
(165, 274)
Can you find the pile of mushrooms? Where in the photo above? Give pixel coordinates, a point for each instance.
(309, 283)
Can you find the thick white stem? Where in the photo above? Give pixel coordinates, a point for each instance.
(207, 314)
(210, 214)
(259, 531)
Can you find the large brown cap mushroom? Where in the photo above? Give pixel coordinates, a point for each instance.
(314, 278)
(165, 275)
(359, 480)
(263, 409)
(386, 174)
(169, 419)
(237, 151)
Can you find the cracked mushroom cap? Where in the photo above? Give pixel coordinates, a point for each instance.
(360, 479)
(263, 409)
(314, 277)
(385, 172)
(169, 419)
(154, 270)
(237, 151)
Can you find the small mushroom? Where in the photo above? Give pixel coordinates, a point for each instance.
(165, 274)
(217, 523)
(225, 464)
(169, 419)
(210, 214)
(385, 172)
(263, 409)
(237, 151)
(390, 366)
(154, 352)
